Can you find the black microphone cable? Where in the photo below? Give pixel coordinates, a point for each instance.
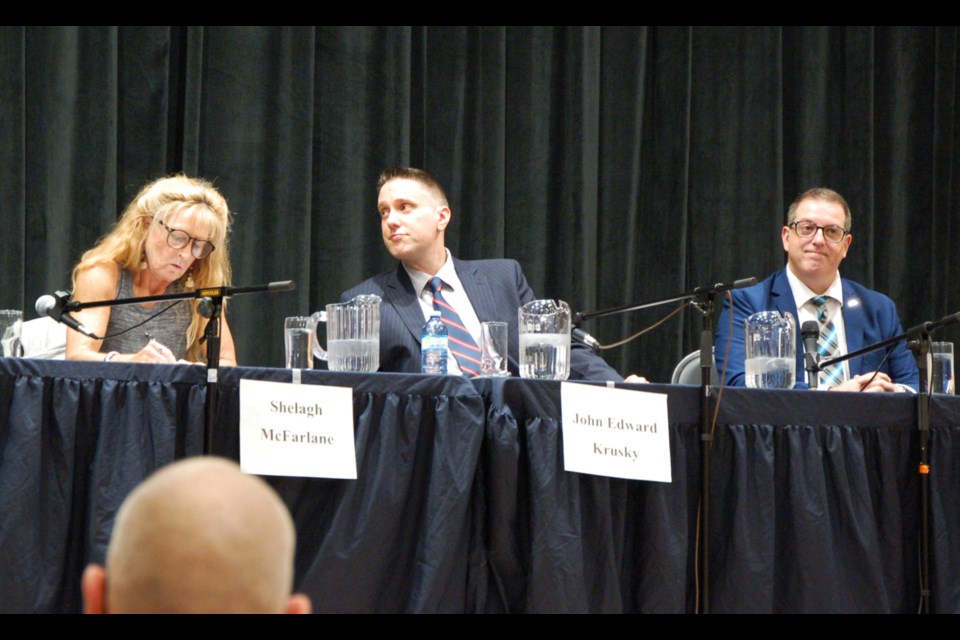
(646, 329)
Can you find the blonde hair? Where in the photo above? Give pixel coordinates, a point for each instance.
(124, 244)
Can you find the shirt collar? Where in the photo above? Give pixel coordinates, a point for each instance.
(802, 293)
(447, 273)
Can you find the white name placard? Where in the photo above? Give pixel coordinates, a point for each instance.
(620, 433)
(300, 430)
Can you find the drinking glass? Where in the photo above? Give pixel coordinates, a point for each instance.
(298, 337)
(493, 349)
(942, 370)
(11, 320)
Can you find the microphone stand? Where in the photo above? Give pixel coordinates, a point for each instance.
(921, 349)
(810, 331)
(210, 306)
(703, 299)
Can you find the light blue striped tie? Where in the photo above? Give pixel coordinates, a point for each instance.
(828, 345)
(462, 345)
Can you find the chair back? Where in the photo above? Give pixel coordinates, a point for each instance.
(44, 338)
(687, 370)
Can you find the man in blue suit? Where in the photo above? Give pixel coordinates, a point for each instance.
(414, 215)
(816, 239)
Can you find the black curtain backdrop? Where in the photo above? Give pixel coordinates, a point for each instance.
(619, 165)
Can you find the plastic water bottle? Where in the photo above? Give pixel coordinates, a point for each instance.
(434, 346)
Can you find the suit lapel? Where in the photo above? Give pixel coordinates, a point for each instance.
(852, 325)
(477, 289)
(476, 285)
(782, 295)
(400, 294)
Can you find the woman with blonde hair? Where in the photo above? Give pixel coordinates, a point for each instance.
(172, 238)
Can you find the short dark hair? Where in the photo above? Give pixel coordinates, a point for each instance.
(821, 193)
(411, 173)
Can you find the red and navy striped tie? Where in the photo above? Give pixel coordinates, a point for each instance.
(462, 345)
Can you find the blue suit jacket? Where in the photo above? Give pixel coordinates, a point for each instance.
(496, 288)
(868, 318)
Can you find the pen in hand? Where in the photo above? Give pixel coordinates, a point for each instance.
(165, 352)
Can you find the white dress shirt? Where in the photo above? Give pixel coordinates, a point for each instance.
(454, 294)
(807, 310)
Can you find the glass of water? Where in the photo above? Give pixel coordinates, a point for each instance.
(298, 337)
(11, 320)
(942, 367)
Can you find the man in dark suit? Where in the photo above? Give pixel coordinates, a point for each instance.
(414, 215)
(816, 239)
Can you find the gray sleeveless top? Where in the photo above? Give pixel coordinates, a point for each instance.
(168, 328)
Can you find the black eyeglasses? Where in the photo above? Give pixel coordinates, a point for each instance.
(178, 239)
(806, 229)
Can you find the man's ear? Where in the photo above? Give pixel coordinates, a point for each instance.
(299, 603)
(443, 217)
(94, 588)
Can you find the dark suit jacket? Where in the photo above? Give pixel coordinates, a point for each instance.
(496, 288)
(868, 318)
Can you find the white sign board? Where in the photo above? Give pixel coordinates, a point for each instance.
(620, 433)
(300, 430)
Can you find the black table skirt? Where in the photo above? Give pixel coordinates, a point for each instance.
(462, 505)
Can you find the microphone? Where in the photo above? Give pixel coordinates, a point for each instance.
(283, 285)
(580, 335)
(928, 327)
(720, 286)
(51, 306)
(810, 330)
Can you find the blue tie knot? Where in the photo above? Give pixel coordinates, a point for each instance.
(821, 302)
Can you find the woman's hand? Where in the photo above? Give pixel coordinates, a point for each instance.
(153, 352)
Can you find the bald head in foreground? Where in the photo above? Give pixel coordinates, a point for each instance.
(198, 536)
